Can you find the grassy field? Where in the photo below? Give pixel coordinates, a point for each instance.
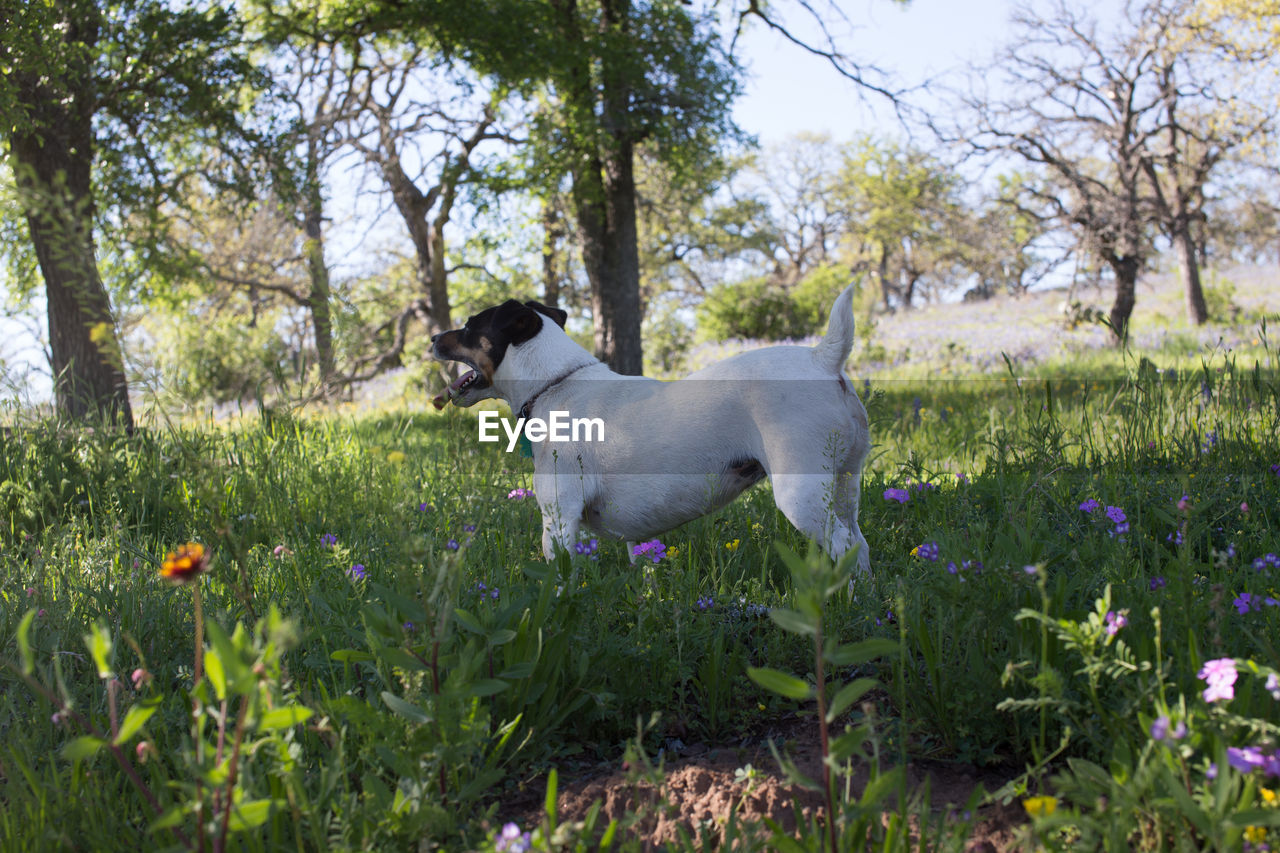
(1073, 580)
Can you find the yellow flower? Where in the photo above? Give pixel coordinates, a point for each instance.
(396, 457)
(186, 564)
(1040, 806)
(733, 546)
(1268, 796)
(672, 553)
(915, 552)
(1255, 834)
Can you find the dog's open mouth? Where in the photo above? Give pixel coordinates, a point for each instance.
(472, 380)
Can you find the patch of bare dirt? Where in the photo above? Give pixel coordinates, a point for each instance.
(701, 788)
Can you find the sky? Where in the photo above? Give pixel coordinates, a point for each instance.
(788, 91)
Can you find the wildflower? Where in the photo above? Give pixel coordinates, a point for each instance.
(1157, 582)
(140, 677)
(672, 553)
(1273, 686)
(143, 750)
(1175, 537)
(408, 627)
(706, 603)
(57, 718)
(1269, 797)
(493, 594)
(928, 551)
(31, 591)
(1090, 505)
(281, 551)
(328, 540)
(1116, 514)
(1115, 621)
(1031, 570)
(1246, 759)
(1040, 806)
(512, 840)
(396, 457)
(961, 479)
(899, 495)
(1275, 469)
(1256, 836)
(951, 567)
(1184, 503)
(733, 546)
(1244, 602)
(974, 566)
(1161, 731)
(424, 507)
(1210, 441)
(654, 550)
(586, 548)
(452, 544)
(922, 487)
(357, 572)
(519, 494)
(186, 564)
(1220, 674)
(468, 528)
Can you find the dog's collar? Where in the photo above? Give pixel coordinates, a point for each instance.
(524, 410)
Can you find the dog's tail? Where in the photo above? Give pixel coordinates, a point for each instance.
(834, 348)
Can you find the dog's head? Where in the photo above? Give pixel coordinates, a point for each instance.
(482, 344)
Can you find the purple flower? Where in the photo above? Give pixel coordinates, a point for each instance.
(1175, 537)
(951, 567)
(927, 551)
(519, 494)
(1275, 469)
(974, 566)
(1220, 674)
(1116, 514)
(1244, 602)
(1210, 442)
(1089, 505)
(1273, 686)
(1246, 759)
(1160, 729)
(408, 627)
(899, 495)
(357, 572)
(493, 594)
(423, 507)
(452, 544)
(654, 550)
(706, 603)
(1115, 621)
(468, 528)
(512, 840)
(328, 540)
(1157, 582)
(586, 548)
(921, 487)
(1031, 570)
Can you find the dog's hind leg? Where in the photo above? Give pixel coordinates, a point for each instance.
(559, 527)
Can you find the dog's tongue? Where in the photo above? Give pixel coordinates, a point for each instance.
(457, 383)
(440, 400)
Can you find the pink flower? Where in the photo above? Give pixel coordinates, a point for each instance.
(140, 677)
(1244, 508)
(1220, 674)
(1185, 503)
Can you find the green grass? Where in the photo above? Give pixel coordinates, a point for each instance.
(430, 700)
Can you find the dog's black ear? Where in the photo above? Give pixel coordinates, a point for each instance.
(518, 323)
(554, 313)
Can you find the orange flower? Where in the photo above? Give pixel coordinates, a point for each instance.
(186, 564)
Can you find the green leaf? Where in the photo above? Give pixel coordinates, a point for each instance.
(408, 710)
(466, 620)
(517, 671)
(793, 621)
(351, 656)
(398, 657)
(283, 718)
(249, 814)
(99, 642)
(850, 693)
(24, 642)
(853, 654)
(135, 718)
(214, 671)
(549, 802)
(487, 687)
(82, 747)
(848, 743)
(779, 682)
(501, 637)
(171, 818)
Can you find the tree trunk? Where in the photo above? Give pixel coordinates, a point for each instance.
(318, 298)
(53, 158)
(552, 234)
(1126, 273)
(1189, 272)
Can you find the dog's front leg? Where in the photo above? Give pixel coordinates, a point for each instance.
(560, 522)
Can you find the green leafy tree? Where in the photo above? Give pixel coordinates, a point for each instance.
(97, 101)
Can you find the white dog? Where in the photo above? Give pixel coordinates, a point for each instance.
(673, 451)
